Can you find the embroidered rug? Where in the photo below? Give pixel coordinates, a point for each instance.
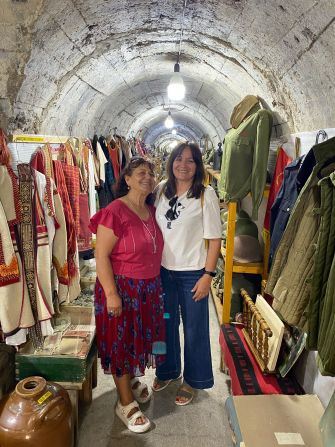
(246, 376)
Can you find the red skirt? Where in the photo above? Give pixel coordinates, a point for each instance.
(136, 339)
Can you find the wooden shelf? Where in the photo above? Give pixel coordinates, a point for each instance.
(215, 174)
(245, 267)
(231, 266)
(217, 304)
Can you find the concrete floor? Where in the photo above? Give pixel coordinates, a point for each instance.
(203, 422)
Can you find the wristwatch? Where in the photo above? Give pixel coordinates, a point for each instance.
(212, 274)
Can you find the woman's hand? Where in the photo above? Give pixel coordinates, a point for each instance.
(114, 305)
(202, 287)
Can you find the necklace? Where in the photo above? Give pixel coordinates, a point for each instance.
(153, 236)
(146, 227)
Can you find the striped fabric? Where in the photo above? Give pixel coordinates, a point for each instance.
(71, 175)
(70, 223)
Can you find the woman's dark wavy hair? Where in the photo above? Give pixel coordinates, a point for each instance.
(197, 187)
(122, 187)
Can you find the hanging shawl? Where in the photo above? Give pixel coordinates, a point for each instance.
(70, 224)
(72, 180)
(28, 249)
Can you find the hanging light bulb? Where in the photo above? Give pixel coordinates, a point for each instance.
(174, 132)
(169, 121)
(176, 87)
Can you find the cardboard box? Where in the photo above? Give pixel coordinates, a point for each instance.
(276, 420)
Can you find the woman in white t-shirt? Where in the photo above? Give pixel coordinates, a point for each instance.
(187, 214)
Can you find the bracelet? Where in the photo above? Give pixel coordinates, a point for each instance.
(212, 274)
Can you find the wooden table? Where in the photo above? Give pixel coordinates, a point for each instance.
(77, 374)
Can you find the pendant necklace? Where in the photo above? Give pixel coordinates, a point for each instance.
(153, 236)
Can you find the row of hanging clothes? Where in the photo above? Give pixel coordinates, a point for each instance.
(45, 207)
(301, 221)
(39, 224)
(112, 153)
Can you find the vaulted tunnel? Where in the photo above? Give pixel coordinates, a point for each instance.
(76, 67)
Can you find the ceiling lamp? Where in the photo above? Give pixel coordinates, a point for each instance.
(176, 87)
(169, 121)
(174, 132)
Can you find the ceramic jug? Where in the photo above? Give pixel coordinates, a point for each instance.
(36, 413)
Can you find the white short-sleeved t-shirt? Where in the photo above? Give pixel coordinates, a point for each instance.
(185, 227)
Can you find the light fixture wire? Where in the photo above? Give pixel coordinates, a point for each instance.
(181, 30)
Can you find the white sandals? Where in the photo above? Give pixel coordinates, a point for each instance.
(130, 422)
(137, 391)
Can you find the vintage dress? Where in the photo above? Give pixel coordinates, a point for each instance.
(135, 339)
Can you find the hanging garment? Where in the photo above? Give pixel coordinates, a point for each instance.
(71, 175)
(28, 236)
(283, 205)
(114, 157)
(282, 161)
(15, 311)
(244, 160)
(126, 149)
(91, 184)
(63, 260)
(290, 278)
(321, 303)
(106, 188)
(9, 265)
(326, 338)
(68, 293)
(85, 235)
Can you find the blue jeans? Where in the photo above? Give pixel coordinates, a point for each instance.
(198, 372)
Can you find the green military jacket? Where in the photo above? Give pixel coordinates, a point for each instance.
(245, 157)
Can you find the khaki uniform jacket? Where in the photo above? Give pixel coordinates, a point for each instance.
(245, 157)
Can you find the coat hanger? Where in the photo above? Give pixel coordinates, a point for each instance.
(18, 159)
(321, 133)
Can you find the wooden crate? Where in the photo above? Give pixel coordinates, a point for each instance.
(56, 368)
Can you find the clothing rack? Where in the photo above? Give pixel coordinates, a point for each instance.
(29, 138)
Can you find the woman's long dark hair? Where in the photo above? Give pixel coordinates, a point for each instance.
(122, 188)
(197, 187)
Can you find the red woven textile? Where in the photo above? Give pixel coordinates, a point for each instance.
(70, 224)
(71, 174)
(85, 235)
(246, 376)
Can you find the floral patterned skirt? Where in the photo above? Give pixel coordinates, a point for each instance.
(136, 339)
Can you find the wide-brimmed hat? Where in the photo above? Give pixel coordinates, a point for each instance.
(242, 109)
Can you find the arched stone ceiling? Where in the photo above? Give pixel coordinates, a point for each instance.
(90, 65)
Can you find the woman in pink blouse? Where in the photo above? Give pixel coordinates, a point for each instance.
(128, 302)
